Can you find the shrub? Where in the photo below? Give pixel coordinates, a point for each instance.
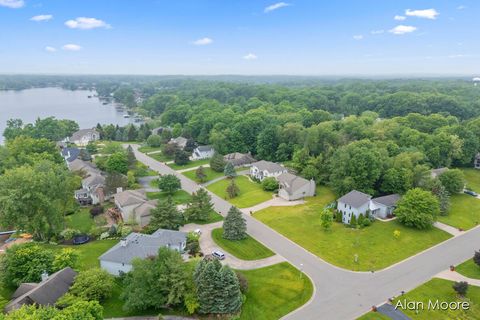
(367, 223)
(461, 287)
(339, 216)
(96, 210)
(154, 141)
(93, 284)
(270, 184)
(360, 220)
(476, 258)
(68, 234)
(353, 221)
(396, 234)
(243, 282)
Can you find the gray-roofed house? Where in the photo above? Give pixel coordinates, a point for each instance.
(134, 205)
(383, 207)
(202, 152)
(292, 187)
(45, 293)
(84, 136)
(181, 142)
(238, 159)
(70, 154)
(87, 167)
(118, 259)
(263, 169)
(93, 187)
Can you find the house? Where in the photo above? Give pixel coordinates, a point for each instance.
(45, 293)
(118, 259)
(238, 159)
(84, 136)
(134, 205)
(159, 130)
(92, 191)
(70, 154)
(434, 173)
(262, 169)
(355, 203)
(86, 167)
(180, 142)
(476, 163)
(292, 187)
(202, 152)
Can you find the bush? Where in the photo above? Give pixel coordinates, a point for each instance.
(94, 284)
(476, 258)
(339, 216)
(353, 221)
(217, 163)
(270, 184)
(96, 210)
(154, 141)
(461, 287)
(243, 282)
(68, 234)
(95, 232)
(417, 208)
(367, 223)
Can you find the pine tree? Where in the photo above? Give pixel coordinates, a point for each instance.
(208, 290)
(353, 221)
(190, 145)
(200, 174)
(476, 258)
(232, 295)
(232, 189)
(217, 163)
(132, 160)
(235, 225)
(200, 206)
(166, 215)
(229, 171)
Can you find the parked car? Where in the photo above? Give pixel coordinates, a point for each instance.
(470, 192)
(81, 239)
(218, 255)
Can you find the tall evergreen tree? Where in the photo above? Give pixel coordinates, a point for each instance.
(235, 225)
(232, 295)
(232, 189)
(229, 171)
(132, 160)
(166, 215)
(217, 163)
(200, 174)
(200, 206)
(208, 292)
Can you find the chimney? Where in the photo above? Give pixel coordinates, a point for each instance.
(44, 275)
(120, 189)
(123, 242)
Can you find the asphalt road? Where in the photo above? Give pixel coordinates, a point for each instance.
(339, 293)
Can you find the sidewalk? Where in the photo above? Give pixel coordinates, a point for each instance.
(455, 276)
(445, 227)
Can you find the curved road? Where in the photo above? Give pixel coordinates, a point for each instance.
(340, 293)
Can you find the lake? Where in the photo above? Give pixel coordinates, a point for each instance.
(31, 104)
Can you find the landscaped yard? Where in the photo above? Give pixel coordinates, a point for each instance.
(190, 164)
(179, 197)
(212, 218)
(210, 174)
(469, 269)
(80, 220)
(464, 212)
(275, 291)
(375, 246)
(246, 249)
(147, 149)
(473, 178)
(160, 157)
(442, 290)
(251, 193)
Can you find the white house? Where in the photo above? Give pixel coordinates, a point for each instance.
(118, 259)
(263, 169)
(292, 187)
(355, 203)
(84, 136)
(202, 152)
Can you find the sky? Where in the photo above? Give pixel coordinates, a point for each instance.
(209, 37)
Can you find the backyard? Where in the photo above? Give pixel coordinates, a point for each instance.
(251, 193)
(246, 249)
(375, 246)
(473, 178)
(464, 212)
(469, 269)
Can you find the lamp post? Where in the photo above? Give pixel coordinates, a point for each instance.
(301, 270)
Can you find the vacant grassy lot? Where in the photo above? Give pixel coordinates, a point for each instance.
(246, 249)
(464, 212)
(179, 197)
(251, 193)
(275, 291)
(473, 178)
(469, 269)
(190, 164)
(210, 175)
(442, 290)
(375, 246)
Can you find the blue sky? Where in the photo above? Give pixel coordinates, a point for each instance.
(240, 37)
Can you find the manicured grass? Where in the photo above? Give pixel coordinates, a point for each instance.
(190, 164)
(375, 245)
(147, 149)
(464, 212)
(442, 290)
(251, 193)
(374, 316)
(142, 170)
(210, 175)
(160, 157)
(212, 218)
(469, 269)
(179, 197)
(246, 249)
(473, 178)
(275, 291)
(80, 220)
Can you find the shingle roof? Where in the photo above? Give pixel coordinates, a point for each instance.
(143, 245)
(81, 133)
(239, 159)
(389, 200)
(80, 165)
(204, 148)
(291, 182)
(70, 154)
(94, 180)
(131, 197)
(144, 209)
(355, 198)
(269, 166)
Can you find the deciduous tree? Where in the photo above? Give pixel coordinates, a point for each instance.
(417, 208)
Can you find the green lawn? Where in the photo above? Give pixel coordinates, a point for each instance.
(147, 149)
(142, 170)
(375, 246)
(190, 164)
(179, 197)
(373, 316)
(246, 249)
(80, 220)
(251, 193)
(212, 218)
(473, 178)
(210, 174)
(275, 291)
(442, 290)
(469, 269)
(160, 157)
(464, 212)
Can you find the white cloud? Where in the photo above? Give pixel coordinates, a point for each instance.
(276, 6)
(401, 29)
(358, 37)
(461, 7)
(202, 41)
(250, 56)
(399, 18)
(377, 31)
(71, 47)
(14, 4)
(41, 17)
(426, 14)
(85, 23)
(50, 49)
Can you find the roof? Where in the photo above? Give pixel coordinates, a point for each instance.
(291, 182)
(355, 198)
(46, 292)
(70, 154)
(268, 166)
(436, 172)
(80, 165)
(179, 141)
(130, 197)
(81, 133)
(94, 180)
(144, 209)
(389, 200)
(204, 148)
(238, 159)
(141, 246)
(23, 288)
